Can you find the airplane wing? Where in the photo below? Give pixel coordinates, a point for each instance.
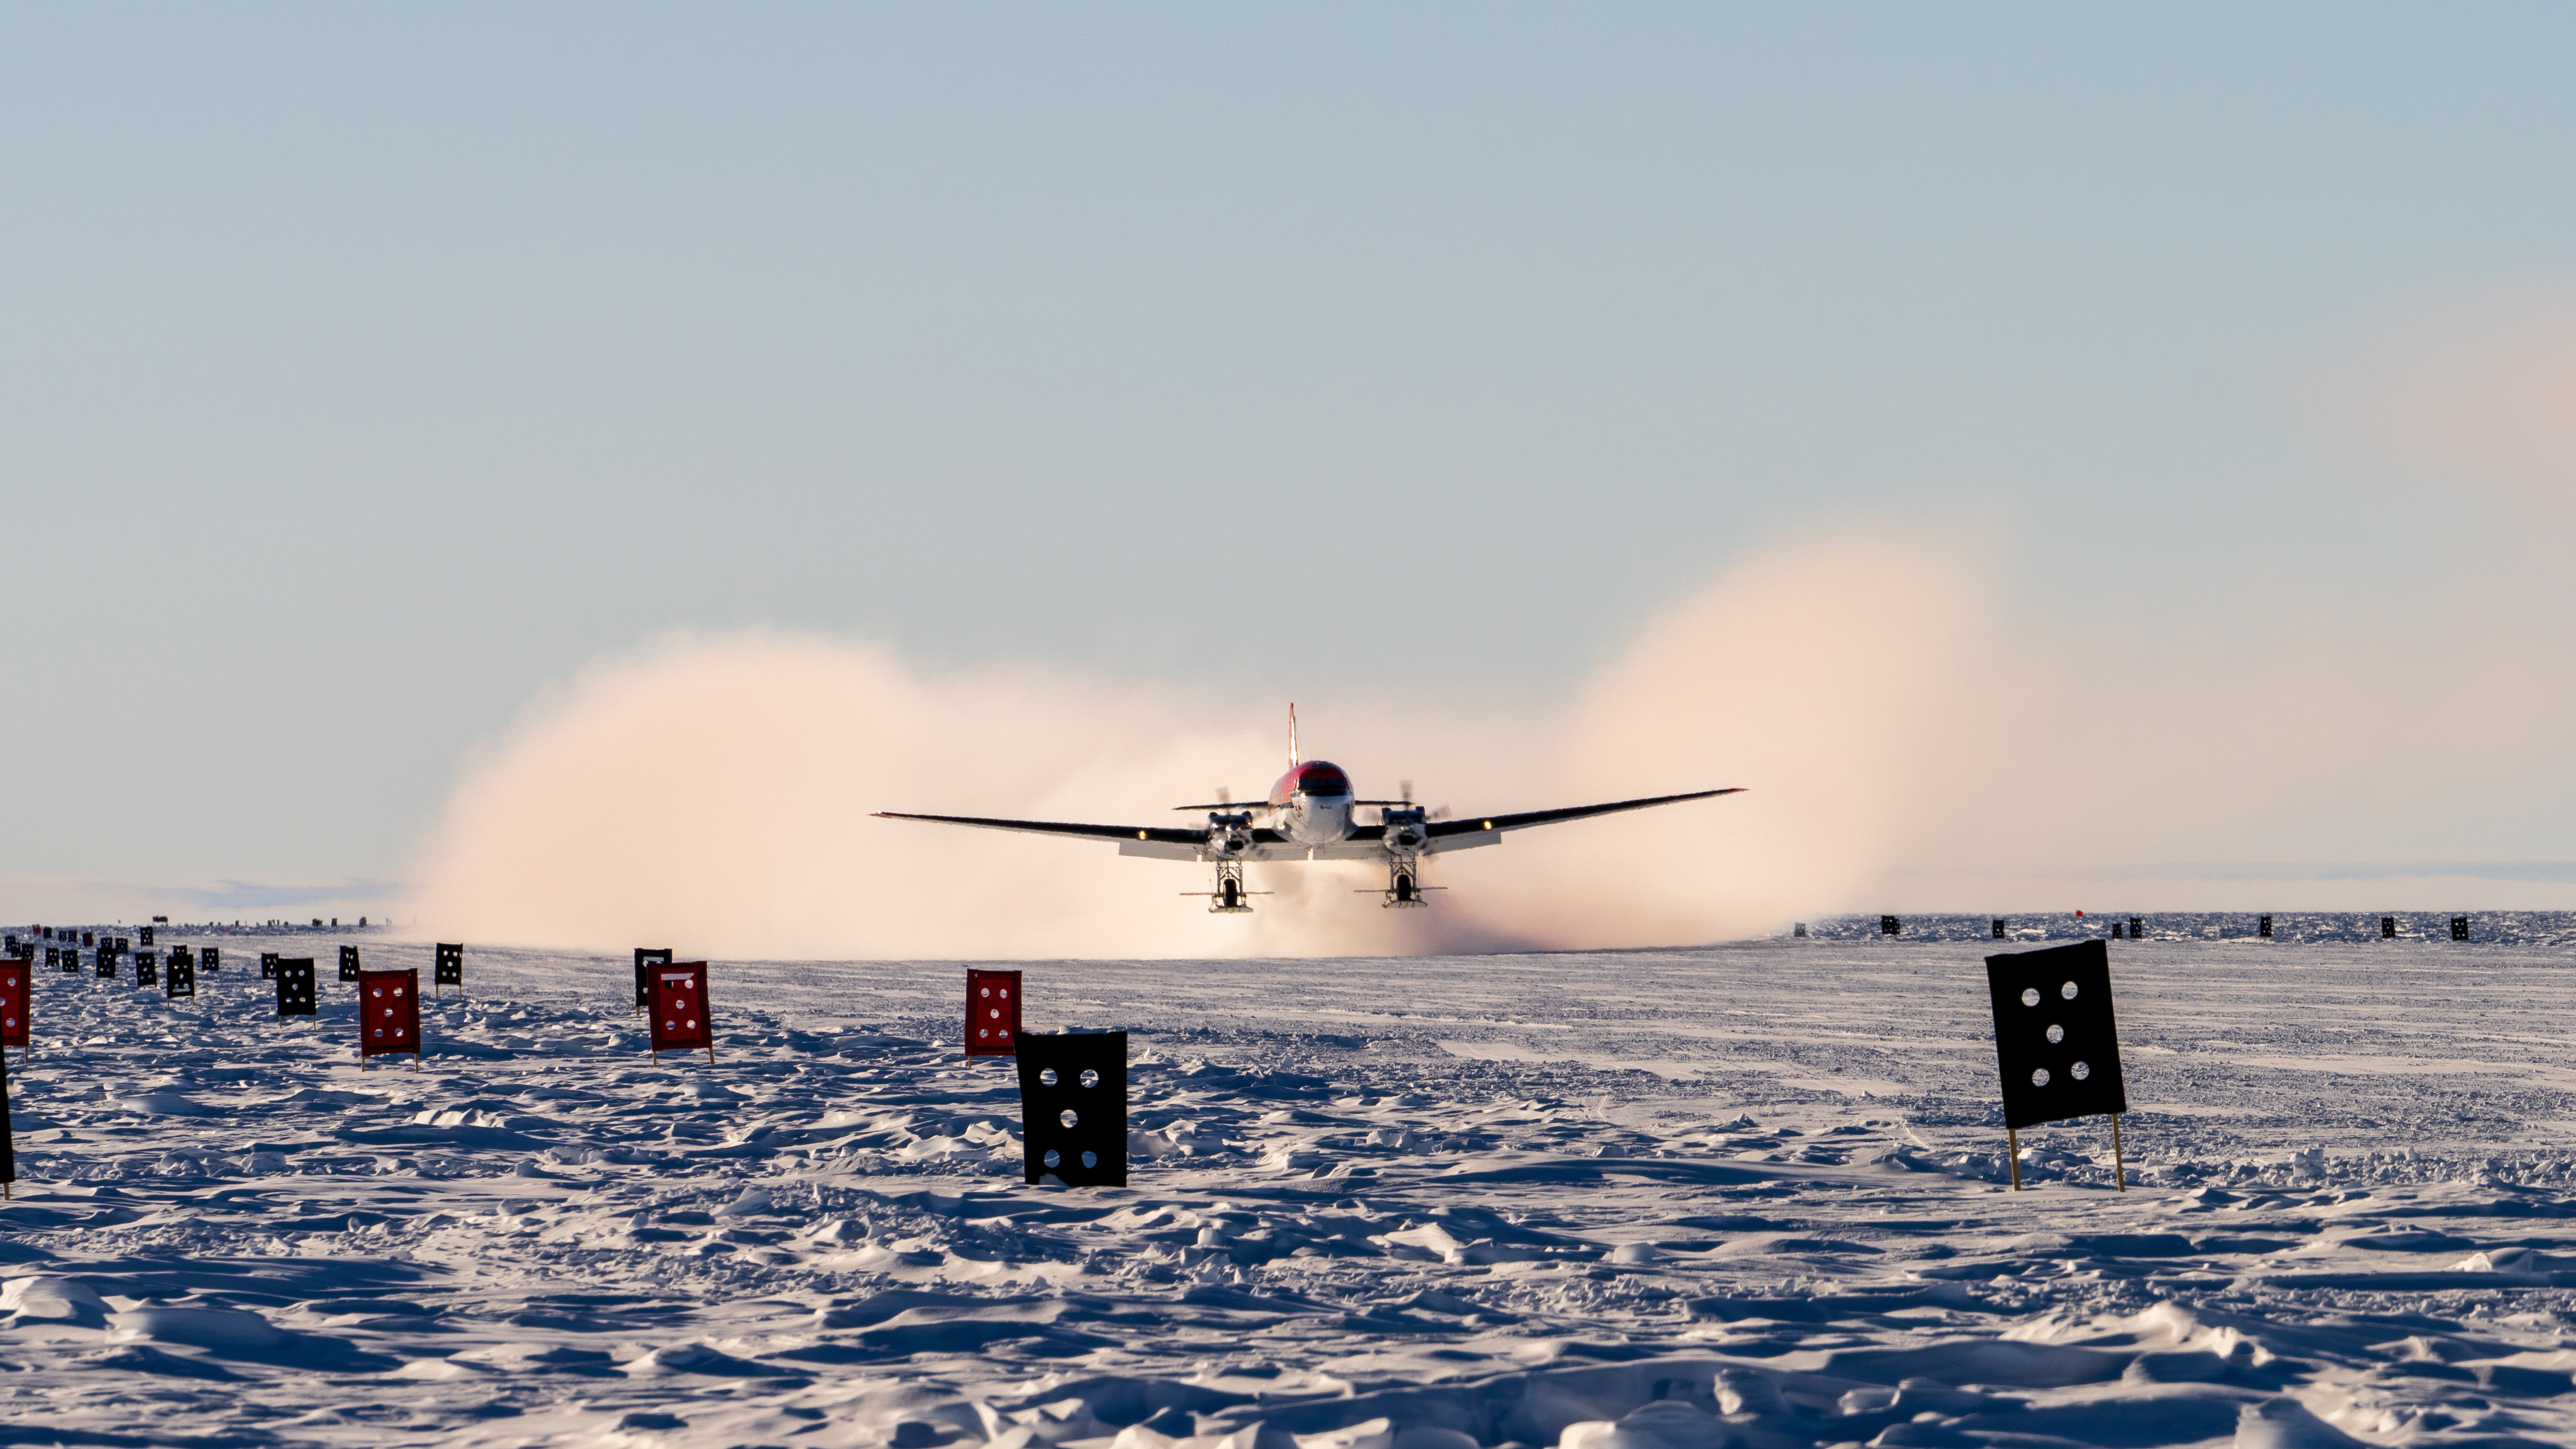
(1153, 834)
(1157, 842)
(1488, 829)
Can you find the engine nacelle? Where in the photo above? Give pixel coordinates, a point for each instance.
(1408, 829)
(1229, 836)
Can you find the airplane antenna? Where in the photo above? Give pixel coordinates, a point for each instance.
(1292, 734)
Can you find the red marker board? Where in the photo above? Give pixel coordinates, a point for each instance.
(13, 1003)
(680, 1019)
(389, 1014)
(992, 1013)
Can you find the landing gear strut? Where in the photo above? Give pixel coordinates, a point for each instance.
(1404, 885)
(1230, 894)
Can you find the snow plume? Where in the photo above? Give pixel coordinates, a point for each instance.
(1817, 677)
(713, 793)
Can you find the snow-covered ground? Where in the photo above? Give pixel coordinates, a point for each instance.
(1643, 1200)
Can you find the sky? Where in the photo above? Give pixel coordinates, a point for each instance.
(373, 377)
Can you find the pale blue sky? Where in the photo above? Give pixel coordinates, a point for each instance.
(363, 369)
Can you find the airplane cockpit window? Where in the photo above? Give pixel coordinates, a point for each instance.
(1323, 780)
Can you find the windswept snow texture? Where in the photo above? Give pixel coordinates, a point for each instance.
(1651, 1200)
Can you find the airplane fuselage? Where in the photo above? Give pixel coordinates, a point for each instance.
(1311, 804)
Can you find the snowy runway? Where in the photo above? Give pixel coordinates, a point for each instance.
(1748, 1194)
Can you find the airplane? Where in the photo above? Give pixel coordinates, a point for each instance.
(1309, 816)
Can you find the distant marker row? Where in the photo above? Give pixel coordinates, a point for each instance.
(2136, 929)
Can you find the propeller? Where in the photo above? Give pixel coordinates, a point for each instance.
(1224, 796)
(1404, 791)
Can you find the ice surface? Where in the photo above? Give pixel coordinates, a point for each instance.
(1644, 1200)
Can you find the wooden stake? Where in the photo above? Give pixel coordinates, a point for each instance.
(2119, 1164)
(2012, 1155)
(711, 1053)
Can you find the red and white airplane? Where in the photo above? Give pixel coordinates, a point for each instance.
(1311, 816)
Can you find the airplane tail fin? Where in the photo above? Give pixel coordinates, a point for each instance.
(1292, 734)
